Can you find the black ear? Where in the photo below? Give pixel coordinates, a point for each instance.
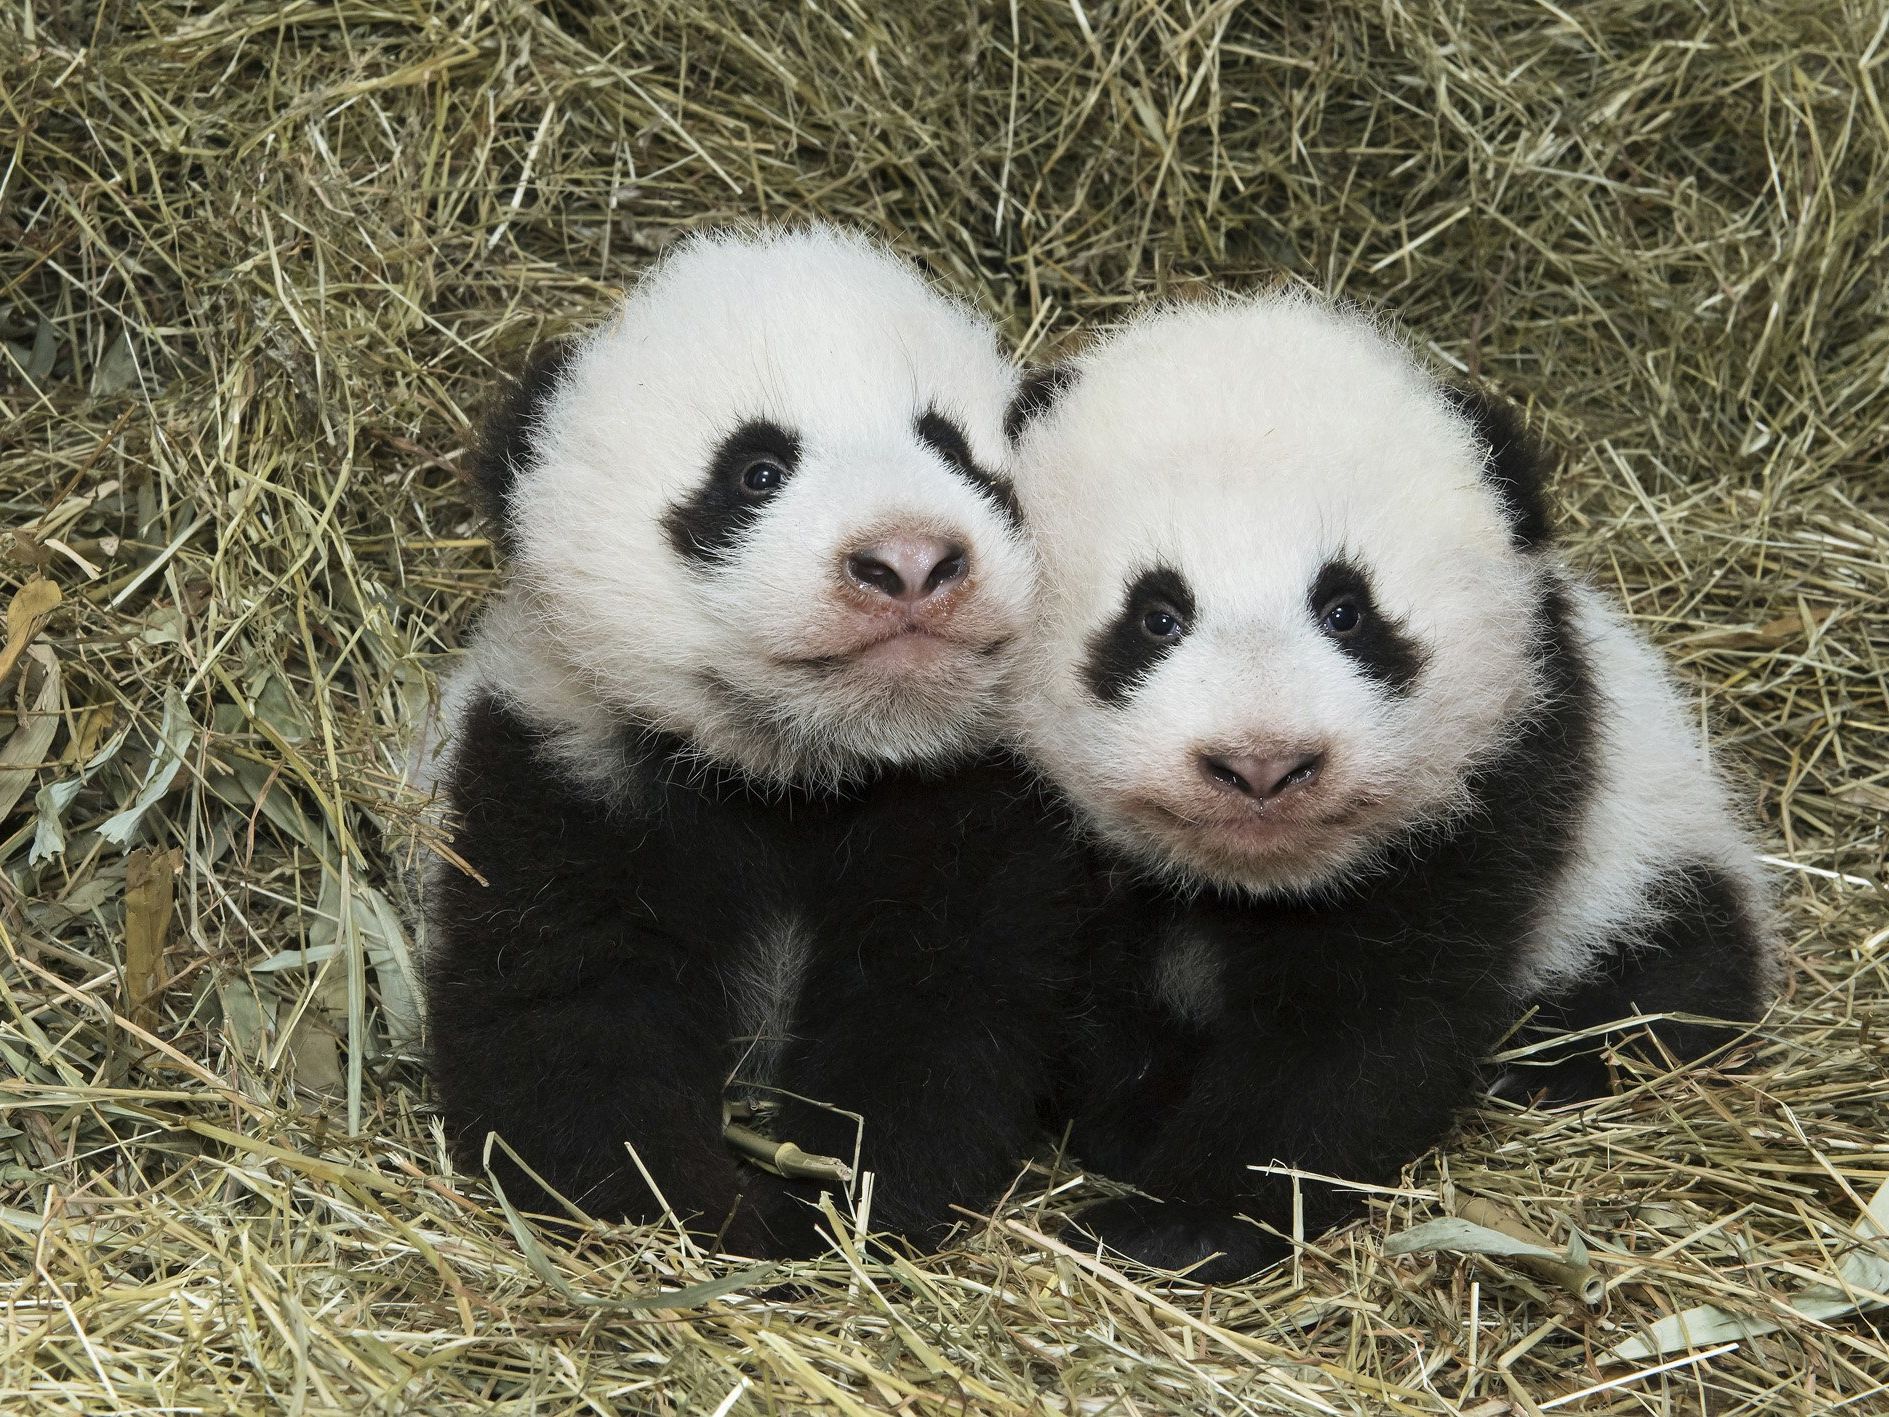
(511, 429)
(1035, 396)
(1516, 466)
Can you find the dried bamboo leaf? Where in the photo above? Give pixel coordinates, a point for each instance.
(1861, 1283)
(150, 875)
(26, 612)
(175, 734)
(27, 746)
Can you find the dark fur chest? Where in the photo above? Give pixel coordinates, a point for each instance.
(702, 859)
(898, 952)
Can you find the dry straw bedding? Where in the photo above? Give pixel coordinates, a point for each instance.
(259, 264)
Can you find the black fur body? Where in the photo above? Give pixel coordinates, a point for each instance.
(588, 995)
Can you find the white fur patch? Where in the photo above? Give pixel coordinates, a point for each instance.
(1189, 978)
(763, 997)
(1655, 804)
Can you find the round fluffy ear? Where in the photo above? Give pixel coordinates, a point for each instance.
(1035, 396)
(507, 440)
(1517, 465)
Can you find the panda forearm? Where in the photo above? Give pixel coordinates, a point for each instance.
(570, 1082)
(945, 1123)
(1353, 1107)
(1347, 1107)
(947, 1066)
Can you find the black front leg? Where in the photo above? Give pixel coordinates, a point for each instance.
(946, 1062)
(1701, 954)
(1205, 1243)
(1353, 1094)
(575, 992)
(573, 1078)
(942, 917)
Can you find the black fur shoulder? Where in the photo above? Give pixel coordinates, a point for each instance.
(1699, 953)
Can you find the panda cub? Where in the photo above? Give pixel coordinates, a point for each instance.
(1373, 774)
(719, 758)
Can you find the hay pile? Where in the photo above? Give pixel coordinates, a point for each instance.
(259, 263)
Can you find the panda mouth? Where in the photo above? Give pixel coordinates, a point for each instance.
(902, 645)
(1260, 825)
(1263, 837)
(1257, 821)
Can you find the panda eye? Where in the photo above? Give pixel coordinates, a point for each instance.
(1342, 619)
(763, 476)
(1160, 623)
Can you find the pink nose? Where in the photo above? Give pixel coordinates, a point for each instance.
(1261, 777)
(908, 568)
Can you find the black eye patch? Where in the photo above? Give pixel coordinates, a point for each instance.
(705, 526)
(1379, 645)
(1124, 651)
(947, 440)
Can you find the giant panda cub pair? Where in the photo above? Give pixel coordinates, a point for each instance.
(1359, 777)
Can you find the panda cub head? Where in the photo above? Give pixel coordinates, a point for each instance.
(755, 510)
(1290, 591)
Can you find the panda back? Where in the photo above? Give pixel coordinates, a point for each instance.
(1656, 813)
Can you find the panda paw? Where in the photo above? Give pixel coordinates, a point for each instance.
(1213, 1246)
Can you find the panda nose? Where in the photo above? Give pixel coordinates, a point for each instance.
(909, 569)
(1261, 777)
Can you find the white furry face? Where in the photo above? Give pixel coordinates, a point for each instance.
(753, 509)
(1283, 611)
